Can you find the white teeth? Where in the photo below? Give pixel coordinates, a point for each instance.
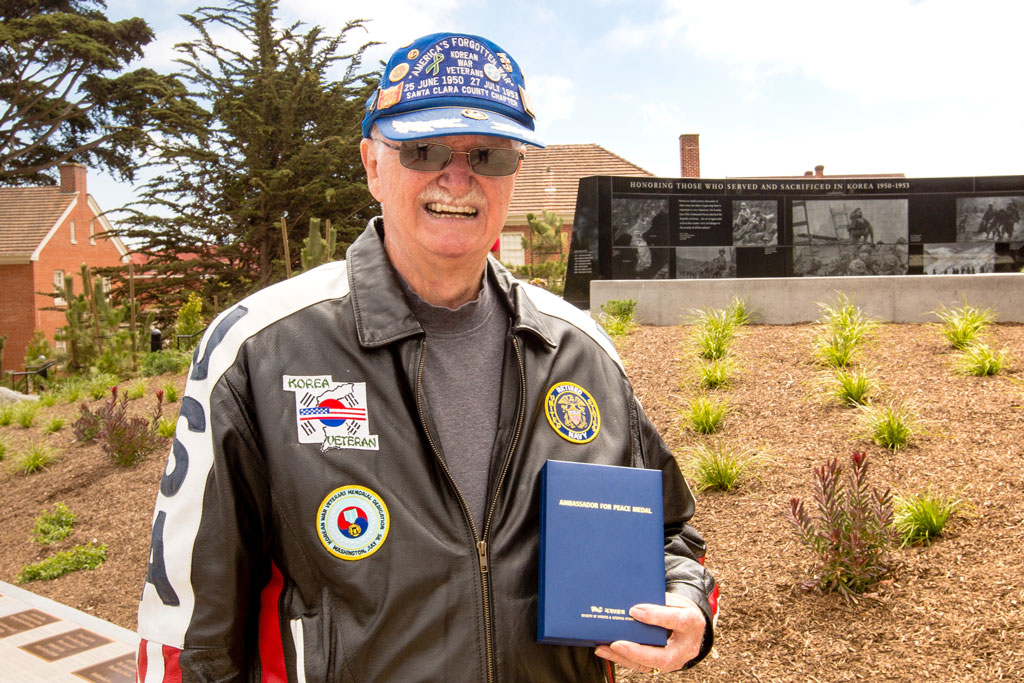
(435, 207)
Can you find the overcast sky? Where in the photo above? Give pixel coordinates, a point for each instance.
(925, 87)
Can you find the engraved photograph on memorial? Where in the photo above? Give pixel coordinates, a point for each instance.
(705, 262)
(755, 223)
(959, 259)
(851, 220)
(639, 239)
(827, 260)
(989, 219)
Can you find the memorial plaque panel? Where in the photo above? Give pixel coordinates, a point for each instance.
(120, 670)
(24, 621)
(65, 644)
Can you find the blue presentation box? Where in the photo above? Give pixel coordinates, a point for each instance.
(602, 550)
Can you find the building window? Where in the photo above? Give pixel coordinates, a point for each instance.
(74, 240)
(512, 249)
(107, 285)
(58, 288)
(92, 232)
(61, 345)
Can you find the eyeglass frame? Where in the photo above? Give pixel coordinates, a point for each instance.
(452, 152)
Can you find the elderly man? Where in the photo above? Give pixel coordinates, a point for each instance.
(353, 490)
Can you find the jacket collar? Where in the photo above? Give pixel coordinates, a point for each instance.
(381, 312)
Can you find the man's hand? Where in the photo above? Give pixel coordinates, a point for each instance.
(685, 623)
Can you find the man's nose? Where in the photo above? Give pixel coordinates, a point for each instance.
(457, 174)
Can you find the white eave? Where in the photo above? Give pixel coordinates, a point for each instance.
(107, 227)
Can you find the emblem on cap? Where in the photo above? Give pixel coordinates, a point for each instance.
(353, 522)
(413, 54)
(474, 114)
(525, 99)
(505, 63)
(398, 73)
(492, 72)
(389, 97)
(572, 412)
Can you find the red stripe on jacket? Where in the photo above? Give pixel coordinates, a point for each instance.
(271, 648)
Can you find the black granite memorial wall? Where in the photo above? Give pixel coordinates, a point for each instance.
(628, 228)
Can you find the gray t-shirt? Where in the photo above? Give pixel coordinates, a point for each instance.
(462, 385)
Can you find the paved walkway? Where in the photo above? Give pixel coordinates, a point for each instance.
(42, 641)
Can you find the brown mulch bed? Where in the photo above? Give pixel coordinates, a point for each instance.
(952, 612)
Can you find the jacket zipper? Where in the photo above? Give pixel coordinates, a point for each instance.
(481, 544)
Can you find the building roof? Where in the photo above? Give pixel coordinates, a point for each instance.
(27, 214)
(550, 177)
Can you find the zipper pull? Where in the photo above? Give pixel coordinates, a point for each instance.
(481, 550)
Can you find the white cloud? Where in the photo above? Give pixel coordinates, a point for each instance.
(553, 99)
(877, 49)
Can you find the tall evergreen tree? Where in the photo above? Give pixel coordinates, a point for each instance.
(64, 94)
(279, 138)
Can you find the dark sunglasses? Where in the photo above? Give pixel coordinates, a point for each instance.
(433, 156)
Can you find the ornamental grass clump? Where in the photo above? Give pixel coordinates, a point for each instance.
(54, 424)
(852, 532)
(921, 518)
(705, 414)
(714, 331)
(892, 425)
(844, 328)
(962, 326)
(617, 317)
(980, 360)
(36, 459)
(852, 387)
(715, 374)
(25, 413)
(718, 467)
(739, 311)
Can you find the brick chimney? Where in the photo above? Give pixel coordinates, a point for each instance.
(72, 178)
(689, 155)
(819, 171)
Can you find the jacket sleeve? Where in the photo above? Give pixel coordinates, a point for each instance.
(685, 574)
(208, 555)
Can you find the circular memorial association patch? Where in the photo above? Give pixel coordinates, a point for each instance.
(572, 412)
(353, 522)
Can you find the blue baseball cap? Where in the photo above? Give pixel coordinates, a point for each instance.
(451, 84)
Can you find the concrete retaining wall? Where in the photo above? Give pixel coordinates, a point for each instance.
(890, 298)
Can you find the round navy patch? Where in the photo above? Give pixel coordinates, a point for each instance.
(572, 412)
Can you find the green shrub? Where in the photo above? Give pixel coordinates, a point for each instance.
(164, 362)
(705, 414)
(892, 425)
(71, 390)
(843, 316)
(48, 398)
(37, 458)
(852, 532)
(25, 413)
(54, 424)
(718, 467)
(962, 326)
(713, 340)
(980, 360)
(852, 387)
(920, 518)
(170, 393)
(50, 527)
(190, 320)
(80, 557)
(7, 413)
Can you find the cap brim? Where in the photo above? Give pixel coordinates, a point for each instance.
(437, 121)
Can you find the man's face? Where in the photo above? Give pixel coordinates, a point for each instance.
(430, 217)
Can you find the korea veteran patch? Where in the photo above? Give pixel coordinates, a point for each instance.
(332, 414)
(353, 522)
(572, 412)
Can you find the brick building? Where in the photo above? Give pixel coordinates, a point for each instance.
(548, 180)
(45, 233)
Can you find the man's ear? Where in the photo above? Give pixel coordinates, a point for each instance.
(368, 150)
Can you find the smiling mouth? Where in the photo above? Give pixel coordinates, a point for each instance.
(449, 211)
